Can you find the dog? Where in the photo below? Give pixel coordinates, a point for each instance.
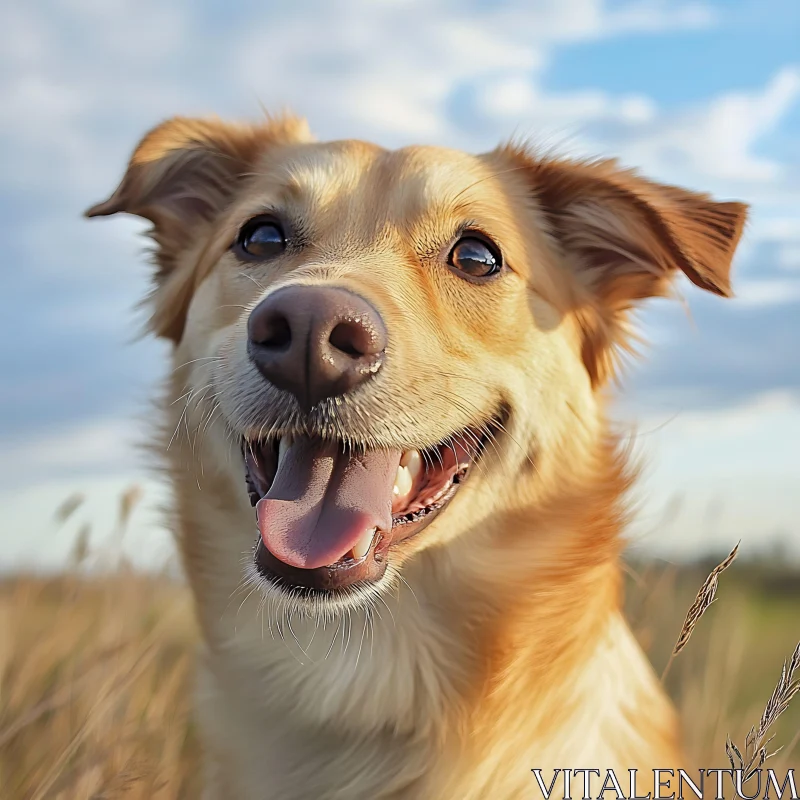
(398, 498)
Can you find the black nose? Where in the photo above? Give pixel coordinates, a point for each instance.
(316, 341)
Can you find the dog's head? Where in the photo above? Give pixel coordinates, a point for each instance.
(395, 339)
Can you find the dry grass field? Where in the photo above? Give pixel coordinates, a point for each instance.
(96, 674)
(722, 680)
(95, 682)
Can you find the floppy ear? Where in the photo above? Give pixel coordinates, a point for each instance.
(181, 176)
(626, 237)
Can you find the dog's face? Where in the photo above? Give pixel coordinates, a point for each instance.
(399, 343)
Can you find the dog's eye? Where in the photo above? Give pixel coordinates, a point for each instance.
(475, 258)
(261, 238)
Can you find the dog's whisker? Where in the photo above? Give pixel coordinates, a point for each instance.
(333, 639)
(410, 589)
(251, 278)
(379, 598)
(198, 360)
(291, 630)
(361, 640)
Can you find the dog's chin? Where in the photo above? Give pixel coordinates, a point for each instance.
(335, 518)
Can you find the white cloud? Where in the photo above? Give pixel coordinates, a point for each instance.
(714, 477)
(789, 257)
(657, 15)
(781, 232)
(80, 79)
(787, 227)
(767, 292)
(717, 140)
(637, 109)
(102, 446)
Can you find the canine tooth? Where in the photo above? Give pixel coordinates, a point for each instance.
(402, 482)
(283, 445)
(361, 547)
(412, 460)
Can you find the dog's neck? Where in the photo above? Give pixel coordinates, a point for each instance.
(516, 622)
(412, 660)
(521, 582)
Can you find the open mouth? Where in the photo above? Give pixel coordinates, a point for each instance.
(328, 514)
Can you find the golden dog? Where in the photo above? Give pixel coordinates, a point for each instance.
(399, 358)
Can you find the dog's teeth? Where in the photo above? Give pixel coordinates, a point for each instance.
(402, 482)
(412, 460)
(283, 445)
(361, 548)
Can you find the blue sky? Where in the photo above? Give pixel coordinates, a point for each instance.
(706, 94)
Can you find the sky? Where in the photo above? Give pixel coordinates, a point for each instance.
(703, 94)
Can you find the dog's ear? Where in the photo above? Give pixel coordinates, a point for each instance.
(182, 174)
(626, 237)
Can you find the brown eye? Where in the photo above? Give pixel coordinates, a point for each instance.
(261, 238)
(475, 258)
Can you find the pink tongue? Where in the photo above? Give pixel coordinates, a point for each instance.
(323, 501)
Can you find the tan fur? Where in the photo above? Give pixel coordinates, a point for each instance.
(496, 643)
